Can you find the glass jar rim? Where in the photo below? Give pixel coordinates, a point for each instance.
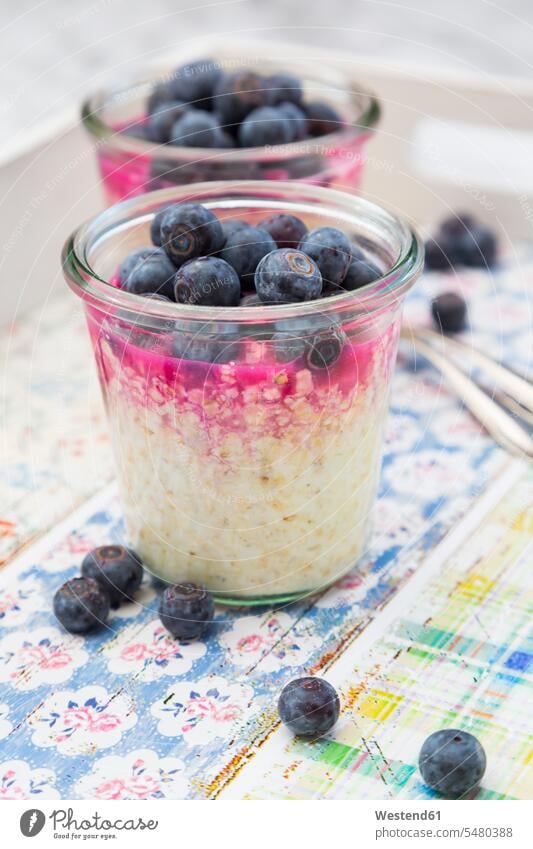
(383, 292)
(362, 123)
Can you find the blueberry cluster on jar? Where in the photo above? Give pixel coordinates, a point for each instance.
(213, 119)
(198, 259)
(201, 105)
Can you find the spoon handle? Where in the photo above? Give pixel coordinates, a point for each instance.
(512, 384)
(504, 429)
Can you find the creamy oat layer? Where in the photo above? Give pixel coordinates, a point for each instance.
(256, 480)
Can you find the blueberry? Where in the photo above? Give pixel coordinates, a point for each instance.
(196, 129)
(190, 230)
(153, 273)
(161, 93)
(207, 281)
(265, 125)
(309, 706)
(231, 225)
(195, 82)
(243, 251)
(131, 261)
(461, 240)
(322, 336)
(331, 250)
(456, 225)
(356, 251)
(155, 227)
(287, 275)
(329, 291)
(325, 345)
(236, 94)
(223, 139)
(449, 312)
(285, 88)
(286, 230)
(452, 762)
(118, 569)
(297, 120)
(186, 610)
(441, 253)
(288, 345)
(360, 273)
(162, 119)
(81, 605)
(322, 118)
(477, 247)
(206, 347)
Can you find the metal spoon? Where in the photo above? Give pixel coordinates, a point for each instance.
(502, 426)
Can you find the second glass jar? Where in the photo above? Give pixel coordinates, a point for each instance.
(130, 166)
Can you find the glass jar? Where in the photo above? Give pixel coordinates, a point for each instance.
(130, 166)
(247, 461)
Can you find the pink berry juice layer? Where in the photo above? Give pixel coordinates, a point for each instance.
(254, 477)
(127, 174)
(220, 393)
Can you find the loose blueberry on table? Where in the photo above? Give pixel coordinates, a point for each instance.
(111, 575)
(452, 762)
(118, 569)
(186, 610)
(81, 605)
(449, 312)
(200, 105)
(309, 706)
(460, 240)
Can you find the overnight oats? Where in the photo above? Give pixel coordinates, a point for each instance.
(245, 335)
(217, 119)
